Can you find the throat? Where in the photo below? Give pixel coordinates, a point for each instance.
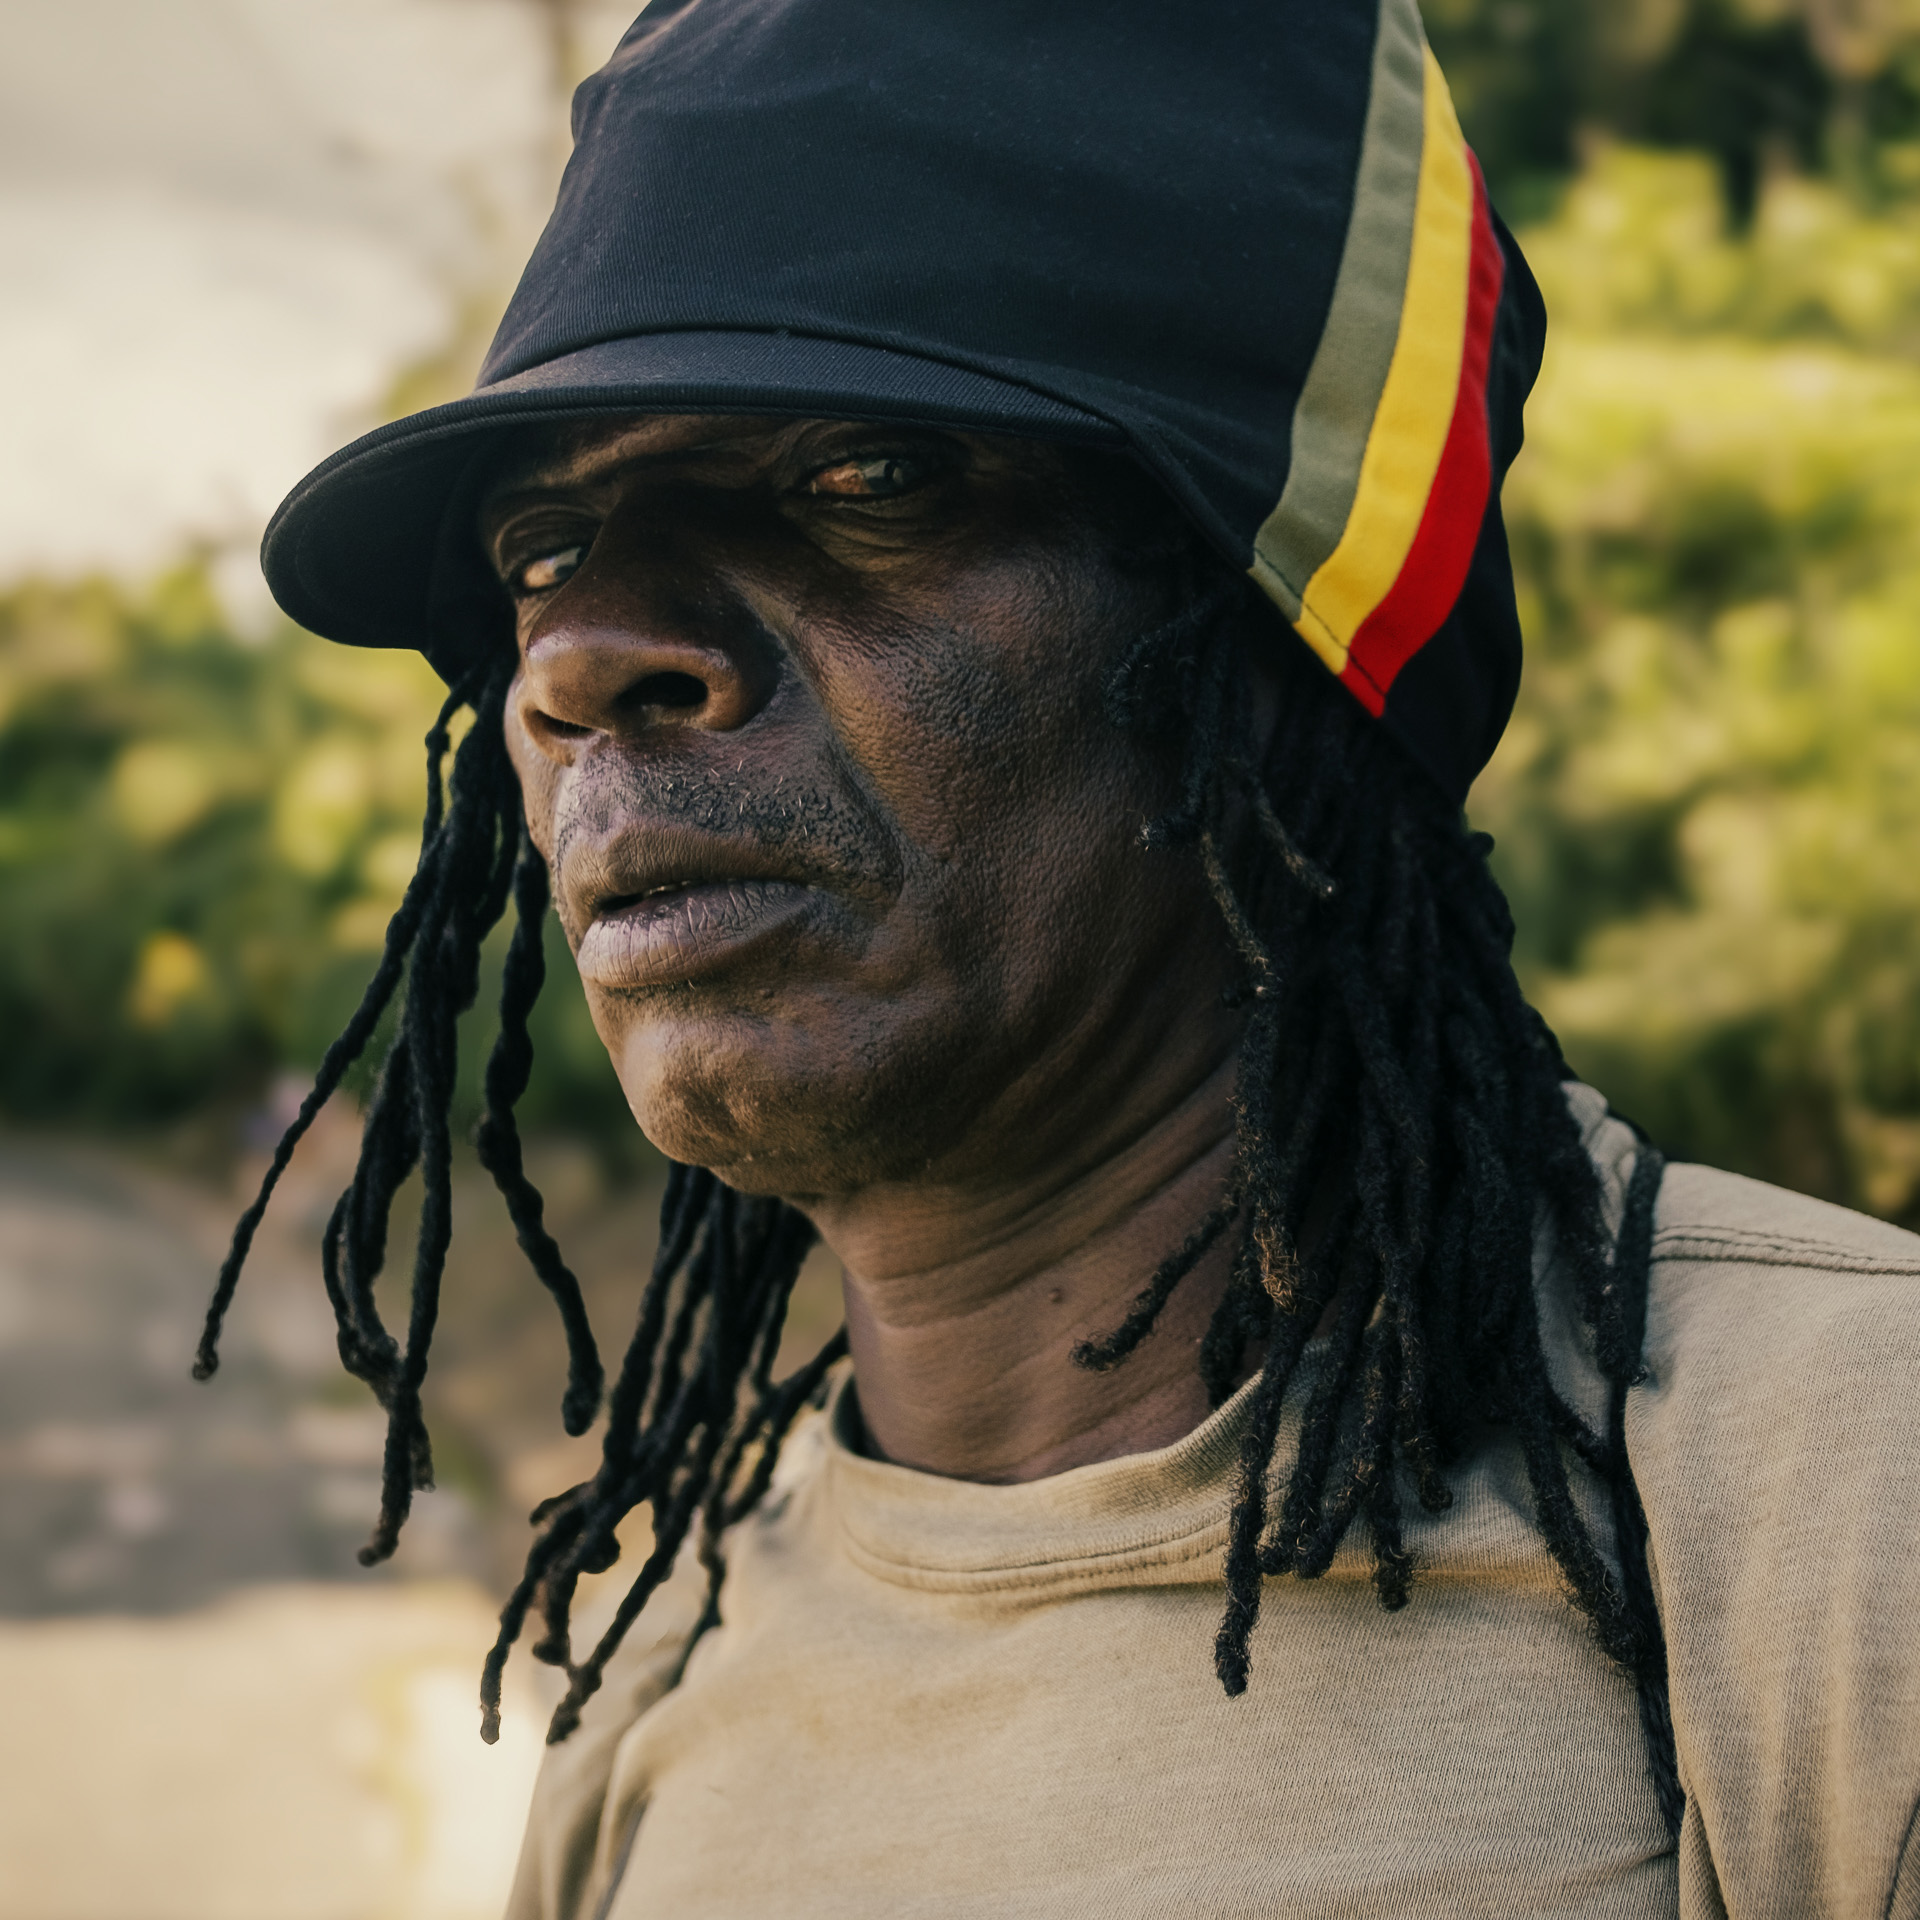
(963, 1333)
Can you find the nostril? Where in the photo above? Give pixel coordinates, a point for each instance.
(674, 690)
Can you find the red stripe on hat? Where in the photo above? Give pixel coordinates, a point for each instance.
(1429, 583)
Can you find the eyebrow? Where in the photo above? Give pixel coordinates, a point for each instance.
(656, 458)
(547, 481)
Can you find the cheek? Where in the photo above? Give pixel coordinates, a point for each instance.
(540, 784)
(984, 731)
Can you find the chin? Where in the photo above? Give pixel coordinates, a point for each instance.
(776, 1108)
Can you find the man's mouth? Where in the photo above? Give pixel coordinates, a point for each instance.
(678, 911)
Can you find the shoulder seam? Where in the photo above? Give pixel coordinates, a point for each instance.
(1732, 1243)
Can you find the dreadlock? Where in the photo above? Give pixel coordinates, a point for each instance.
(1401, 1130)
(695, 1418)
(474, 856)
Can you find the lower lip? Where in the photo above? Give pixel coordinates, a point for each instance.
(669, 937)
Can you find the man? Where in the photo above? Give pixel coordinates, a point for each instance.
(878, 558)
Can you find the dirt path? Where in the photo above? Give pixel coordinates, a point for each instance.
(212, 1712)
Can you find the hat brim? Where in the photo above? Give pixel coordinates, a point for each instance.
(353, 550)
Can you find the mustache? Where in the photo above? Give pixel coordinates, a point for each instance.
(817, 833)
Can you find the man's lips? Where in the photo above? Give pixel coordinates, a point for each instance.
(674, 932)
(661, 907)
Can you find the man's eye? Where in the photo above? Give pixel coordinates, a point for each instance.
(884, 476)
(548, 570)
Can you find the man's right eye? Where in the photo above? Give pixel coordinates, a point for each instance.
(546, 571)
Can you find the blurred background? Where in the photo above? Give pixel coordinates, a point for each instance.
(236, 232)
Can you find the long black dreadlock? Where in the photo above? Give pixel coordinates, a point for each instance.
(1401, 1126)
(1401, 1130)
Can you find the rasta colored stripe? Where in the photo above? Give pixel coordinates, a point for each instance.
(1341, 396)
(1370, 543)
(1424, 590)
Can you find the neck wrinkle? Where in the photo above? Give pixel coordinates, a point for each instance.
(963, 1329)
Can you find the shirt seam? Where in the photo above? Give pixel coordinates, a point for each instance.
(603, 1907)
(1774, 1250)
(1900, 1862)
(1035, 1575)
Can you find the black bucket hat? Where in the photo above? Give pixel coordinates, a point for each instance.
(1245, 241)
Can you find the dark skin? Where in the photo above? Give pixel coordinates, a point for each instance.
(809, 727)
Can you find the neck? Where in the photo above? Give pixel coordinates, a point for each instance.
(964, 1305)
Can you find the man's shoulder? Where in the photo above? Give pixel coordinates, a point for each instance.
(1775, 1323)
(1754, 1283)
(1775, 1447)
(1710, 1217)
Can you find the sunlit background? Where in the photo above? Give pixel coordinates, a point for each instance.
(235, 232)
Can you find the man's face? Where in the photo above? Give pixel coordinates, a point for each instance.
(809, 722)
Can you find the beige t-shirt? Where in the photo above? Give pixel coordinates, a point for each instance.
(936, 1698)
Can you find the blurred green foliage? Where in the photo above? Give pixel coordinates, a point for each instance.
(1708, 807)
(1758, 85)
(201, 839)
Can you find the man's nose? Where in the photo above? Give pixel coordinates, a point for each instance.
(635, 643)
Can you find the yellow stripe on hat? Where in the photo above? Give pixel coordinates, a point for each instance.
(1409, 431)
